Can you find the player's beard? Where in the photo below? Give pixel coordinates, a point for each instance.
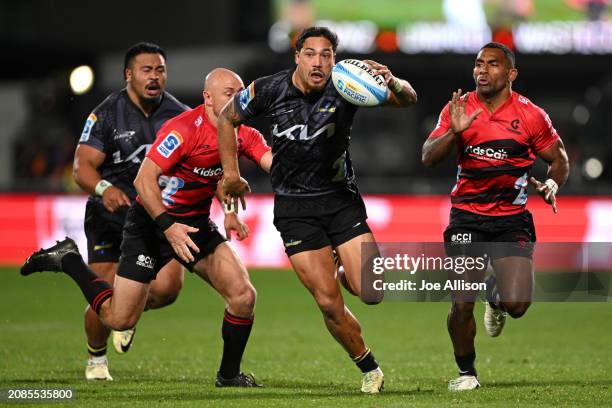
(151, 101)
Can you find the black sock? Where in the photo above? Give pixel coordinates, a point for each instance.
(96, 290)
(366, 362)
(466, 364)
(96, 351)
(235, 332)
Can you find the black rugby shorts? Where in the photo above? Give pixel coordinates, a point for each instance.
(104, 232)
(145, 250)
(471, 234)
(309, 223)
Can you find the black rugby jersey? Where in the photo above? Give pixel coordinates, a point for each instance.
(124, 134)
(310, 134)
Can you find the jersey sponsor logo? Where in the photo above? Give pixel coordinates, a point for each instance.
(198, 121)
(103, 246)
(134, 156)
(514, 125)
(293, 242)
(123, 135)
(145, 261)
(247, 95)
(487, 152)
(89, 123)
(300, 132)
(208, 172)
(461, 238)
(523, 100)
(170, 143)
(327, 109)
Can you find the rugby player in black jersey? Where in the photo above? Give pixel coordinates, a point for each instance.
(115, 139)
(317, 206)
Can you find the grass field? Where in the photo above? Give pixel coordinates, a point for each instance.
(559, 354)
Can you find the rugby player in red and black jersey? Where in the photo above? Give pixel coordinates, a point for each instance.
(497, 134)
(170, 220)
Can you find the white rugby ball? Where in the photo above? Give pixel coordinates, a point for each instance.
(354, 80)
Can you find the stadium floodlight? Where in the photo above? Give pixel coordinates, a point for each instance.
(81, 79)
(581, 114)
(593, 168)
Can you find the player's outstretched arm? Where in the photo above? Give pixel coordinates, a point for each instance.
(558, 172)
(85, 172)
(234, 186)
(146, 183)
(401, 92)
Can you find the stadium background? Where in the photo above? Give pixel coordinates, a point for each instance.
(564, 57)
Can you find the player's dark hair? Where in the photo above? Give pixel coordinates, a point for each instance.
(317, 32)
(141, 48)
(507, 51)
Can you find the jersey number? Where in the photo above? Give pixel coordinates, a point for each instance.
(340, 166)
(521, 185)
(170, 186)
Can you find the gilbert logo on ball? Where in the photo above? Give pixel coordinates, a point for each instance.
(355, 81)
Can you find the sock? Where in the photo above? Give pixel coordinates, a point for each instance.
(96, 290)
(235, 332)
(98, 360)
(366, 361)
(466, 364)
(96, 351)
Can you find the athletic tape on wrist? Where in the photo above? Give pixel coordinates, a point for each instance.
(102, 186)
(395, 86)
(552, 186)
(228, 209)
(164, 221)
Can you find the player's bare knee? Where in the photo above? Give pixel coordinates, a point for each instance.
(462, 311)
(243, 301)
(121, 323)
(372, 297)
(516, 309)
(163, 295)
(329, 305)
(157, 301)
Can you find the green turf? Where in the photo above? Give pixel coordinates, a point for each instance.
(557, 355)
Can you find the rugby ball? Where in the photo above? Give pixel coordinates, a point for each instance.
(354, 80)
